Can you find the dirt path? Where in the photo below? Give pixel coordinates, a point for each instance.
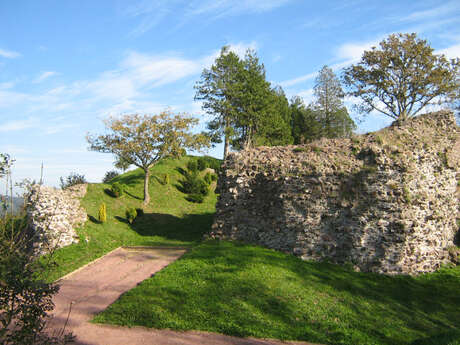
(94, 287)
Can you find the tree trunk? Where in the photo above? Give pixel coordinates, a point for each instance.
(146, 186)
(226, 146)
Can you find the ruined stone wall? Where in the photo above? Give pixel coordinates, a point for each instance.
(385, 201)
(53, 215)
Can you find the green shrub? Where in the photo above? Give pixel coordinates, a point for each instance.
(72, 180)
(300, 149)
(140, 212)
(117, 189)
(214, 177)
(110, 175)
(192, 166)
(202, 163)
(102, 215)
(198, 198)
(131, 214)
(207, 178)
(164, 179)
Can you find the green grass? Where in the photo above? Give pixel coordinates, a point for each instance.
(169, 219)
(245, 290)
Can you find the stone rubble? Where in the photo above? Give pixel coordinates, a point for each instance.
(53, 215)
(385, 202)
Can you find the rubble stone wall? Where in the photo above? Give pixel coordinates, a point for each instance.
(53, 215)
(386, 202)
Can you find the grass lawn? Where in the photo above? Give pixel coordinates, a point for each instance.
(169, 219)
(245, 290)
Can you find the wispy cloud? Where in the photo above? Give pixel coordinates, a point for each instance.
(9, 54)
(445, 9)
(152, 13)
(44, 75)
(18, 125)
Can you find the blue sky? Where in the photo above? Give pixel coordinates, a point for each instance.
(66, 65)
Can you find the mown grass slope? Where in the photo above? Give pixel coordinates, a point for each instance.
(245, 290)
(169, 219)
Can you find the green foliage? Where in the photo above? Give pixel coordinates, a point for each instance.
(214, 177)
(25, 299)
(246, 110)
(72, 180)
(328, 106)
(300, 149)
(102, 214)
(208, 178)
(194, 184)
(117, 189)
(192, 166)
(305, 127)
(202, 163)
(195, 197)
(110, 175)
(164, 179)
(131, 214)
(144, 140)
(401, 77)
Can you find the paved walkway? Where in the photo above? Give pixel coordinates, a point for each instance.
(94, 287)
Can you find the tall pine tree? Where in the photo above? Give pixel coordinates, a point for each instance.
(328, 106)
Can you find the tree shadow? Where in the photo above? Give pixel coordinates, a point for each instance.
(190, 227)
(94, 219)
(132, 195)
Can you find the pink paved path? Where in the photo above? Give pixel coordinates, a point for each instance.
(94, 287)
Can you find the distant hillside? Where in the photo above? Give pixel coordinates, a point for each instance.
(17, 204)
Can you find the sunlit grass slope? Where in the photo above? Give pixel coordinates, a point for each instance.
(169, 220)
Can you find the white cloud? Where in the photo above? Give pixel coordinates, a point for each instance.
(9, 54)
(451, 52)
(18, 125)
(298, 80)
(352, 52)
(44, 75)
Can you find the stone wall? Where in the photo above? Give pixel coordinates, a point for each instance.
(385, 201)
(53, 215)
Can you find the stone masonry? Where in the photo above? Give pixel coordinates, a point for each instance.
(385, 202)
(53, 215)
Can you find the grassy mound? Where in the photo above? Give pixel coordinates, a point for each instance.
(169, 219)
(244, 290)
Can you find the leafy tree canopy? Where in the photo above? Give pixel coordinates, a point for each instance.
(401, 77)
(142, 140)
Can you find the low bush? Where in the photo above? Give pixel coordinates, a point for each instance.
(164, 179)
(192, 166)
(131, 214)
(202, 163)
(117, 189)
(110, 175)
(102, 215)
(198, 198)
(72, 180)
(207, 178)
(214, 177)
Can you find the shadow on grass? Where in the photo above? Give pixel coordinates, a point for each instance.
(94, 219)
(420, 305)
(188, 228)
